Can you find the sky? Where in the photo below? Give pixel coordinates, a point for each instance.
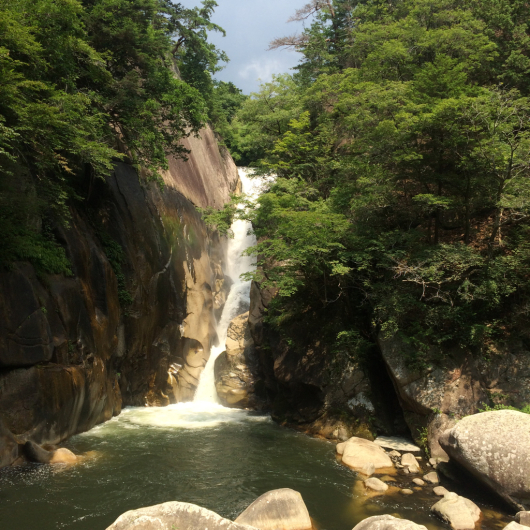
(250, 25)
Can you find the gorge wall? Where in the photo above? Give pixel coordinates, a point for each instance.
(146, 279)
(315, 388)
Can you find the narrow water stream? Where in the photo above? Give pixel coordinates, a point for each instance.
(201, 453)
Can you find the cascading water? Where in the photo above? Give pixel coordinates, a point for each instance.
(239, 295)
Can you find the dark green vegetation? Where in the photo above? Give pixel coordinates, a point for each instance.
(401, 147)
(84, 83)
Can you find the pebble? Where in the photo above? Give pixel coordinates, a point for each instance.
(406, 491)
(418, 482)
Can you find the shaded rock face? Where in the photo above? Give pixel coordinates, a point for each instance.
(454, 384)
(277, 509)
(146, 279)
(312, 389)
(387, 522)
(9, 450)
(173, 515)
(236, 369)
(493, 446)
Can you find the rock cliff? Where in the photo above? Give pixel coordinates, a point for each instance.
(146, 279)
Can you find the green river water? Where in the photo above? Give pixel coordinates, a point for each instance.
(218, 458)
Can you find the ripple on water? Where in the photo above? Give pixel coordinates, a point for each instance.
(212, 456)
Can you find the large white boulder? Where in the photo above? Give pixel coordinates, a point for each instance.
(387, 522)
(173, 515)
(360, 454)
(281, 509)
(494, 446)
(459, 512)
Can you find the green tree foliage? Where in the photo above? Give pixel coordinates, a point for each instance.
(84, 83)
(402, 149)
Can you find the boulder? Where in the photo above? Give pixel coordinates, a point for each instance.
(418, 482)
(515, 526)
(281, 509)
(35, 453)
(387, 522)
(408, 460)
(236, 369)
(501, 462)
(375, 484)
(358, 454)
(440, 491)
(172, 515)
(459, 512)
(431, 477)
(523, 518)
(8, 446)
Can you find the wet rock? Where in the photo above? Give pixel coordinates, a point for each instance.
(440, 491)
(277, 509)
(397, 443)
(406, 491)
(375, 484)
(8, 446)
(394, 454)
(500, 462)
(35, 453)
(409, 462)
(173, 515)
(236, 369)
(523, 518)
(387, 522)
(459, 512)
(418, 481)
(358, 454)
(431, 477)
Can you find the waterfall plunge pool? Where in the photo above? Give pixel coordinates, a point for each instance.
(202, 453)
(219, 458)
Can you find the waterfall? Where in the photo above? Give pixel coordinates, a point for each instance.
(239, 295)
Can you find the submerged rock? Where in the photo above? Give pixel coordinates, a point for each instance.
(501, 462)
(35, 453)
(459, 512)
(173, 515)
(387, 522)
(360, 454)
(276, 510)
(375, 484)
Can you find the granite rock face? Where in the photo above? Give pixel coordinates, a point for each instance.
(455, 384)
(493, 446)
(147, 278)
